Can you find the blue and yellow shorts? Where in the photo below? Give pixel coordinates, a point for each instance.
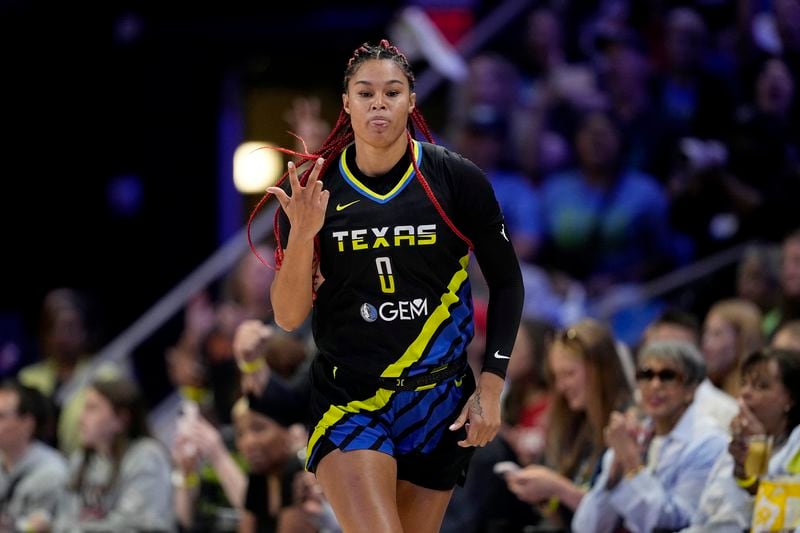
(349, 413)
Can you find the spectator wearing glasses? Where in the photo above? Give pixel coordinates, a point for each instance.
(677, 325)
(654, 470)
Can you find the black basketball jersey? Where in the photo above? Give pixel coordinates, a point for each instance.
(395, 298)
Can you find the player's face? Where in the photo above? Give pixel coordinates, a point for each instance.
(379, 101)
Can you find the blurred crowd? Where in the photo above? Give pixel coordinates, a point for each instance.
(624, 140)
(632, 139)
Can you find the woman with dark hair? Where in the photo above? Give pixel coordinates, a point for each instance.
(120, 476)
(769, 400)
(375, 238)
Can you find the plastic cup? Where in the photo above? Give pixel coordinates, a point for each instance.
(758, 451)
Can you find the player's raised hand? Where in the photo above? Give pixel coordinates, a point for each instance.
(306, 206)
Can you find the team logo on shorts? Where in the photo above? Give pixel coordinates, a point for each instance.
(369, 313)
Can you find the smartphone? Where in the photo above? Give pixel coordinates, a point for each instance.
(189, 411)
(504, 467)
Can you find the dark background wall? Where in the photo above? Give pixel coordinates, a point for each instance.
(127, 98)
(111, 154)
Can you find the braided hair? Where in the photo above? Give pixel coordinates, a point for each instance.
(342, 135)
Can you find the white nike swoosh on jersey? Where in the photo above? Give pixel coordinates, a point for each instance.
(499, 356)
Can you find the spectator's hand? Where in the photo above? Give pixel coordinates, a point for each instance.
(743, 426)
(307, 204)
(184, 453)
(206, 437)
(745, 423)
(481, 413)
(250, 340)
(305, 120)
(621, 435)
(616, 432)
(249, 344)
(534, 483)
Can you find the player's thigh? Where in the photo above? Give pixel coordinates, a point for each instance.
(361, 486)
(421, 509)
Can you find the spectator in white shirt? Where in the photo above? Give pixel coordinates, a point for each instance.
(654, 471)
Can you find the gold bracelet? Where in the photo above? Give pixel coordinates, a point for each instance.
(250, 367)
(747, 482)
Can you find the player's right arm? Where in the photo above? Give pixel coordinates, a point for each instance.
(291, 290)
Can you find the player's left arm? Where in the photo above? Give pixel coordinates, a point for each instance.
(478, 215)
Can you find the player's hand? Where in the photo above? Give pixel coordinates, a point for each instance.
(306, 206)
(481, 414)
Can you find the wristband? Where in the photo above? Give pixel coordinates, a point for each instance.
(747, 482)
(195, 394)
(185, 481)
(250, 367)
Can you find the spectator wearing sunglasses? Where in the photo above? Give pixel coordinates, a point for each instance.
(675, 325)
(654, 469)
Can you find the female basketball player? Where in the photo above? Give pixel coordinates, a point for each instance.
(375, 239)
